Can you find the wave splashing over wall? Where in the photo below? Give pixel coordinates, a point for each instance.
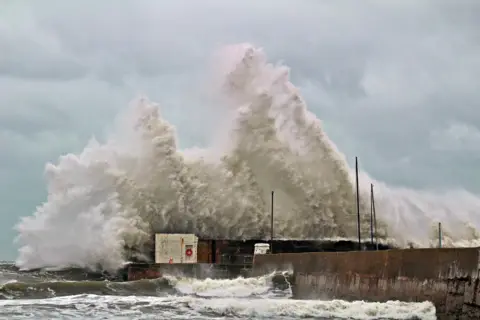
(115, 194)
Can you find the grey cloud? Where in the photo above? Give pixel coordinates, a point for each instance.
(457, 137)
(30, 122)
(29, 52)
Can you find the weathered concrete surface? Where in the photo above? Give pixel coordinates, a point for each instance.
(447, 277)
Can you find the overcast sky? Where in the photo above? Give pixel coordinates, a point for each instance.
(395, 82)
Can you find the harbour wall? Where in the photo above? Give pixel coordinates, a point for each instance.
(448, 277)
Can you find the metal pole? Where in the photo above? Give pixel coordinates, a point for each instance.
(374, 218)
(439, 234)
(358, 206)
(271, 225)
(371, 213)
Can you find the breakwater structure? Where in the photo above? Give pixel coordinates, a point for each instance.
(448, 277)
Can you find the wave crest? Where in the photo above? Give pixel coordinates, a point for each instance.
(116, 194)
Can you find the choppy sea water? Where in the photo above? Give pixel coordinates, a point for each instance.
(53, 295)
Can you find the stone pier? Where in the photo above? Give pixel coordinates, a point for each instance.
(448, 277)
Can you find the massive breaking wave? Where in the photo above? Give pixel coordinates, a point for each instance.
(116, 194)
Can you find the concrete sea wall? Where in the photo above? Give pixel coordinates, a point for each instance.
(448, 277)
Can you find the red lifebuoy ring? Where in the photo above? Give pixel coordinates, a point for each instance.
(188, 252)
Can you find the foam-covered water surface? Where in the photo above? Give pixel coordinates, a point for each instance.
(134, 307)
(183, 298)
